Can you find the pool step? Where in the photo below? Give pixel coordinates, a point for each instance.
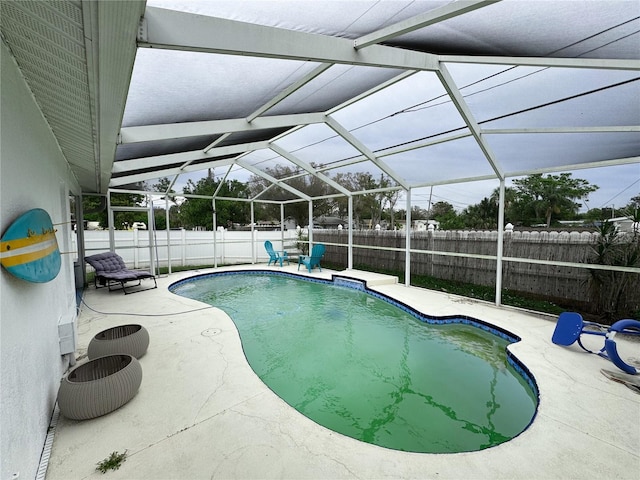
(372, 279)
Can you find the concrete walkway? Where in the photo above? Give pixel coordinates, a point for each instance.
(202, 413)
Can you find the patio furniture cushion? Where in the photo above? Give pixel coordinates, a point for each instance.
(110, 267)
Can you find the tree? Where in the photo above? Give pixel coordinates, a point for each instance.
(440, 208)
(309, 184)
(634, 203)
(418, 213)
(594, 215)
(95, 208)
(610, 288)
(483, 215)
(198, 212)
(446, 216)
(632, 210)
(162, 186)
(552, 196)
(389, 199)
(230, 212)
(364, 205)
(159, 214)
(160, 218)
(450, 221)
(372, 205)
(511, 206)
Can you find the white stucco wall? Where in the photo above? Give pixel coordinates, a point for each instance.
(33, 174)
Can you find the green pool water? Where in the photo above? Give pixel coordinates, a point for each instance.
(368, 369)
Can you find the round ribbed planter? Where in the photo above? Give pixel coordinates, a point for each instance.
(131, 339)
(99, 386)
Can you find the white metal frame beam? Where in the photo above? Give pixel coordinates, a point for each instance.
(575, 166)
(477, 178)
(309, 169)
(594, 63)
(604, 129)
(174, 30)
(273, 180)
(289, 90)
(387, 152)
(168, 172)
(217, 141)
(213, 127)
(431, 17)
(362, 148)
(467, 116)
(185, 157)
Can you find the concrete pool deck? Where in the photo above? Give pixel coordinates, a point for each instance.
(201, 412)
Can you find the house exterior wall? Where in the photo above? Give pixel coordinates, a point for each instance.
(33, 174)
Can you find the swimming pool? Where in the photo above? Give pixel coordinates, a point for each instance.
(371, 368)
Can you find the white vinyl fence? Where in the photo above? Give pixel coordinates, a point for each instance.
(187, 247)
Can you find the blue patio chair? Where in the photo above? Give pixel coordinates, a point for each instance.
(313, 260)
(570, 326)
(275, 257)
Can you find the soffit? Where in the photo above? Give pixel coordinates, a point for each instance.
(76, 57)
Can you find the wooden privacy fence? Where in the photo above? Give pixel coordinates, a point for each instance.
(440, 254)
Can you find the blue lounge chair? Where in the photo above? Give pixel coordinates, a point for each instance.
(570, 326)
(313, 260)
(275, 257)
